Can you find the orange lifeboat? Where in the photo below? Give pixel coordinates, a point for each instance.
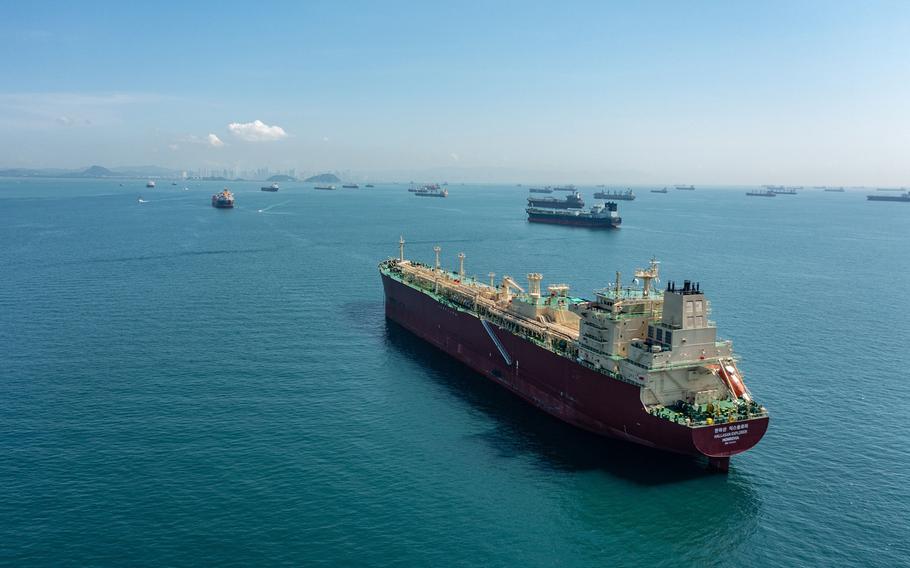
(730, 375)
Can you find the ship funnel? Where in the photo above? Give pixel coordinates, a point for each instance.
(534, 280)
(461, 266)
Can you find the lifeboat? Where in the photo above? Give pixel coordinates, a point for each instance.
(730, 376)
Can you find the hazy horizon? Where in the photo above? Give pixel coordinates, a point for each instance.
(808, 93)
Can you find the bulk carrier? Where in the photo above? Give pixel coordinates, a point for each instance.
(634, 363)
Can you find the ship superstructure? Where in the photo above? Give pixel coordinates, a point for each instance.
(634, 363)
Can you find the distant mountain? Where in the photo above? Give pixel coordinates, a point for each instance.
(281, 178)
(324, 178)
(93, 172)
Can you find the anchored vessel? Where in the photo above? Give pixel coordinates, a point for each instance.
(573, 201)
(325, 187)
(273, 187)
(664, 190)
(600, 216)
(149, 183)
(901, 197)
(686, 187)
(617, 195)
(350, 186)
(541, 190)
(765, 193)
(569, 187)
(223, 200)
(431, 191)
(634, 363)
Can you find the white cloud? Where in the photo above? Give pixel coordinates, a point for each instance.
(256, 131)
(64, 121)
(173, 147)
(215, 141)
(455, 156)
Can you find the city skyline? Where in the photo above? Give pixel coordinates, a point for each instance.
(793, 93)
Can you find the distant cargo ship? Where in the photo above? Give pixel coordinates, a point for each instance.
(835, 189)
(569, 187)
(223, 200)
(573, 201)
(350, 186)
(686, 187)
(902, 197)
(431, 191)
(664, 190)
(603, 216)
(765, 193)
(273, 187)
(369, 185)
(326, 187)
(634, 363)
(617, 195)
(541, 190)
(149, 183)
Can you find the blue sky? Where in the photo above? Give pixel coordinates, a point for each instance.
(652, 92)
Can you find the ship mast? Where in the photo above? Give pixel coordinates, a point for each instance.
(401, 248)
(647, 275)
(461, 266)
(437, 249)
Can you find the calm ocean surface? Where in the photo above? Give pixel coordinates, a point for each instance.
(188, 386)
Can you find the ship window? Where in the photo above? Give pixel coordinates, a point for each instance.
(660, 334)
(651, 331)
(700, 321)
(688, 307)
(690, 322)
(698, 306)
(668, 337)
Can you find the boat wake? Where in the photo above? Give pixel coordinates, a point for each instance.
(274, 206)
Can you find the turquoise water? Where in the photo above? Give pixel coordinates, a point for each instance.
(189, 386)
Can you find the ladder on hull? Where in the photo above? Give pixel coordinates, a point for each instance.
(497, 342)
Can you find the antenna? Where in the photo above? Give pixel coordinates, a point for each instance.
(461, 266)
(618, 283)
(401, 248)
(492, 276)
(437, 250)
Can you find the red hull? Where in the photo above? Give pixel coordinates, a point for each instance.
(599, 224)
(559, 386)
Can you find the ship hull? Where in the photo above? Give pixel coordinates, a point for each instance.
(557, 385)
(556, 204)
(887, 198)
(574, 221)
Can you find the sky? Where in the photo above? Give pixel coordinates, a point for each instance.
(563, 92)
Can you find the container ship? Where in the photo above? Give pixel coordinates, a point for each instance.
(635, 363)
(223, 200)
(573, 201)
(901, 197)
(603, 216)
(615, 195)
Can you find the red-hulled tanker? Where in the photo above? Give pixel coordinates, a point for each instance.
(634, 363)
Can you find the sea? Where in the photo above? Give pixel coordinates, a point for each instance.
(189, 386)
